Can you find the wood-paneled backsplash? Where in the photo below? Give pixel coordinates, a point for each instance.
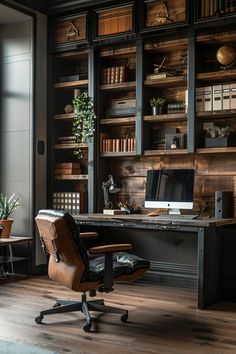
(212, 173)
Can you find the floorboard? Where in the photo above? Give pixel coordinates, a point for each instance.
(162, 320)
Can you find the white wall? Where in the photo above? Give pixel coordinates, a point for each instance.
(24, 120)
(17, 120)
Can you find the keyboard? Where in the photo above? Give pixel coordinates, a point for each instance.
(176, 217)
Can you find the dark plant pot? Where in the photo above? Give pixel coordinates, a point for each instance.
(157, 110)
(220, 141)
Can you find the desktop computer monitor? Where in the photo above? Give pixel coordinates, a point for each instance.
(170, 189)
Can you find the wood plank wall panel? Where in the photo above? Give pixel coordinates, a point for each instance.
(212, 173)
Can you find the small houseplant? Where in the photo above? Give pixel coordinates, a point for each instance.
(219, 136)
(7, 207)
(83, 123)
(157, 104)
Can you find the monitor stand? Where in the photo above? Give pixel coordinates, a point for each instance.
(174, 212)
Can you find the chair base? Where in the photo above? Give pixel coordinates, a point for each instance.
(63, 306)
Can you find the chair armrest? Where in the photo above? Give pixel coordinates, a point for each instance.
(88, 234)
(111, 248)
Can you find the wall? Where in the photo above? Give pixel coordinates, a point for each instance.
(23, 117)
(213, 172)
(17, 119)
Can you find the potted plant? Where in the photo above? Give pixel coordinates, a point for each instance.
(7, 207)
(83, 123)
(219, 137)
(157, 104)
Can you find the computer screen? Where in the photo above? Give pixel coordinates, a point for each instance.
(170, 189)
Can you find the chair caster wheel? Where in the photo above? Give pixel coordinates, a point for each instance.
(124, 318)
(87, 327)
(39, 319)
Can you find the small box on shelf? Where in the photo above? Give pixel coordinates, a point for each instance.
(220, 141)
(72, 202)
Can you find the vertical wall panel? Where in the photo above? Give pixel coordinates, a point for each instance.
(16, 120)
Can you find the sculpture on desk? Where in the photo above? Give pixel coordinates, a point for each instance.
(109, 187)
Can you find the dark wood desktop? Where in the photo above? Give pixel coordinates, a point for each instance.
(209, 233)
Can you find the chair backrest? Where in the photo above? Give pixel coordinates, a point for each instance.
(68, 261)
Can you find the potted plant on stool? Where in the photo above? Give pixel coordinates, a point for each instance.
(7, 207)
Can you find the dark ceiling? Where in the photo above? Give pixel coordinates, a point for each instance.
(59, 6)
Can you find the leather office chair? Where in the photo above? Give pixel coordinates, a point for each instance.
(70, 264)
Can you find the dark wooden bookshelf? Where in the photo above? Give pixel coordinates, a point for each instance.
(118, 121)
(64, 116)
(69, 146)
(173, 117)
(165, 152)
(130, 85)
(118, 154)
(71, 84)
(216, 150)
(218, 76)
(175, 81)
(71, 177)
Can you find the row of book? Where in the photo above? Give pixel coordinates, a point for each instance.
(210, 7)
(114, 74)
(178, 107)
(228, 6)
(216, 98)
(67, 168)
(118, 145)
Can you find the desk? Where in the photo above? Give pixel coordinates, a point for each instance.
(13, 240)
(209, 232)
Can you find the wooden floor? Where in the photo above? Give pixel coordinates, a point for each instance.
(161, 320)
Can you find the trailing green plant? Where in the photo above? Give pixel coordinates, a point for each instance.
(83, 123)
(8, 205)
(157, 102)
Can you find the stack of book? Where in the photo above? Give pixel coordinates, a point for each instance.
(178, 107)
(69, 78)
(161, 75)
(67, 168)
(118, 145)
(65, 140)
(114, 75)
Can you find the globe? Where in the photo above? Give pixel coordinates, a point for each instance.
(226, 55)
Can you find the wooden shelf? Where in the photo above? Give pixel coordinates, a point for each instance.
(130, 85)
(72, 55)
(64, 116)
(165, 46)
(118, 121)
(165, 152)
(69, 146)
(117, 154)
(71, 84)
(173, 117)
(167, 82)
(216, 150)
(217, 38)
(71, 177)
(114, 52)
(217, 76)
(226, 114)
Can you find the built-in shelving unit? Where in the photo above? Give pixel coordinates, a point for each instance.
(169, 54)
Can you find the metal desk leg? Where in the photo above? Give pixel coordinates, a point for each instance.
(11, 259)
